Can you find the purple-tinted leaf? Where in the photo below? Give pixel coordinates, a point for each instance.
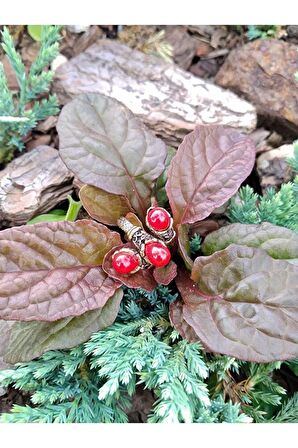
(244, 304)
(203, 228)
(104, 145)
(278, 242)
(210, 165)
(103, 206)
(160, 191)
(178, 321)
(23, 341)
(184, 244)
(165, 275)
(140, 279)
(49, 271)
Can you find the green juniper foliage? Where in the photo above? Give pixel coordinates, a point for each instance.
(288, 412)
(293, 162)
(280, 208)
(261, 31)
(64, 390)
(195, 244)
(20, 111)
(95, 381)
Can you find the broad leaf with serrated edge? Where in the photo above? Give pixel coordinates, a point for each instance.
(278, 242)
(208, 168)
(103, 206)
(23, 341)
(104, 145)
(243, 303)
(49, 271)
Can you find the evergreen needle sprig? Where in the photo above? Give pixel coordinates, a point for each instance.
(280, 208)
(17, 113)
(95, 381)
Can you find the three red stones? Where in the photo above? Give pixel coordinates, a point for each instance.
(128, 261)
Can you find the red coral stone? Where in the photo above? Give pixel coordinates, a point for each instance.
(124, 261)
(157, 253)
(158, 218)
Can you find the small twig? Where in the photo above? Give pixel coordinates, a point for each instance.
(216, 53)
(7, 119)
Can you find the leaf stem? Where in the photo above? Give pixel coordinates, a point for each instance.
(73, 209)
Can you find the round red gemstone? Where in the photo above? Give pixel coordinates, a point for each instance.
(124, 262)
(159, 219)
(157, 253)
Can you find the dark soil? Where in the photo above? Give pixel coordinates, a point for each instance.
(13, 396)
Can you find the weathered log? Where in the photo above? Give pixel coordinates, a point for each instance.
(32, 184)
(168, 99)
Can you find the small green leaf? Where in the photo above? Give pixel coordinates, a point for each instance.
(60, 215)
(48, 217)
(35, 31)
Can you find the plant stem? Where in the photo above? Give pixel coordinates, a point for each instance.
(73, 209)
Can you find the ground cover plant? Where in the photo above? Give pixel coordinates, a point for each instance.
(218, 307)
(21, 110)
(54, 273)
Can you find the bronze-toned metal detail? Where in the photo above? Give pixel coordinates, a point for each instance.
(138, 237)
(167, 235)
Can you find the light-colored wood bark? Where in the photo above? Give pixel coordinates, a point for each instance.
(168, 99)
(32, 184)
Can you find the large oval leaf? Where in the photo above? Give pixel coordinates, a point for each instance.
(243, 304)
(106, 146)
(210, 165)
(278, 242)
(23, 341)
(103, 206)
(49, 271)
